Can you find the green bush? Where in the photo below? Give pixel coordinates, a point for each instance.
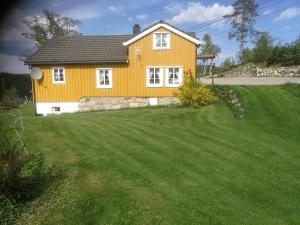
(247, 55)
(263, 48)
(23, 177)
(10, 98)
(193, 94)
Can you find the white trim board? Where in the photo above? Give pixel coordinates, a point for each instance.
(166, 26)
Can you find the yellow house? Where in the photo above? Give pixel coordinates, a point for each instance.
(81, 73)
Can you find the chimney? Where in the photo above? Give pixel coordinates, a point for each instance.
(136, 29)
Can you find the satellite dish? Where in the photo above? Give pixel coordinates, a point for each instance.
(36, 73)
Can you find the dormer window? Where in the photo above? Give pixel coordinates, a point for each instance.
(161, 40)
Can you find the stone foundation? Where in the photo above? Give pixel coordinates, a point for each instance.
(107, 103)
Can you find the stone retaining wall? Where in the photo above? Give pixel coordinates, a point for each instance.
(255, 71)
(107, 103)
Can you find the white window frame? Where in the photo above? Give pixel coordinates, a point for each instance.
(64, 75)
(161, 76)
(167, 40)
(167, 76)
(103, 86)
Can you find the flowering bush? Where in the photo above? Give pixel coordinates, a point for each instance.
(193, 94)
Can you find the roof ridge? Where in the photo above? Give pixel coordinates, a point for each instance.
(101, 35)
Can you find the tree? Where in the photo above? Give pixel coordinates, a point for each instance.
(209, 47)
(51, 25)
(263, 47)
(242, 22)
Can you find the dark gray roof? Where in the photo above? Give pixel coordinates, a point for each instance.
(85, 49)
(82, 49)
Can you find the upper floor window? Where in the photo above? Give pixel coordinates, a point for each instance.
(58, 75)
(104, 78)
(161, 40)
(173, 76)
(154, 77)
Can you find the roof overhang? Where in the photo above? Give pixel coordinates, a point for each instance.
(166, 26)
(75, 62)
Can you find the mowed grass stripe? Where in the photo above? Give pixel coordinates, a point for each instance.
(178, 165)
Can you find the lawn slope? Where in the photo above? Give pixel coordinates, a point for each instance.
(173, 165)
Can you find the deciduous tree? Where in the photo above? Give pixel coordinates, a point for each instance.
(242, 22)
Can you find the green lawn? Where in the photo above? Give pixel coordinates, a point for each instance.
(173, 165)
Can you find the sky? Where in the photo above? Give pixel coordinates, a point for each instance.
(99, 17)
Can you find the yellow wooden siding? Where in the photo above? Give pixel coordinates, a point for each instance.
(127, 79)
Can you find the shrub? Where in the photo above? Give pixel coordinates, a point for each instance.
(23, 177)
(247, 56)
(10, 98)
(193, 94)
(263, 47)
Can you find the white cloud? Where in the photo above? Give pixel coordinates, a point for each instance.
(174, 7)
(84, 12)
(267, 12)
(142, 17)
(12, 64)
(288, 14)
(195, 12)
(116, 9)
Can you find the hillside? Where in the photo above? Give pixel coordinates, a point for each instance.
(173, 165)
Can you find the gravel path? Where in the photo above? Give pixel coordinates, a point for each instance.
(251, 80)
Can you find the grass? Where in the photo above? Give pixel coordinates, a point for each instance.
(173, 165)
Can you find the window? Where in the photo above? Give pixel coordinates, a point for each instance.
(173, 76)
(154, 77)
(104, 78)
(55, 109)
(58, 75)
(161, 41)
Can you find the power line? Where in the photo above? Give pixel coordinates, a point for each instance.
(225, 17)
(261, 16)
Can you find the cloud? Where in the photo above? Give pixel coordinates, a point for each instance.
(12, 28)
(195, 12)
(12, 64)
(288, 14)
(84, 12)
(174, 7)
(142, 17)
(116, 9)
(267, 12)
(130, 19)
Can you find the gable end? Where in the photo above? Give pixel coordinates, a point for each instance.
(166, 26)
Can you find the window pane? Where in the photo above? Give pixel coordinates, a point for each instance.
(158, 40)
(61, 76)
(164, 40)
(151, 81)
(101, 79)
(106, 78)
(156, 81)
